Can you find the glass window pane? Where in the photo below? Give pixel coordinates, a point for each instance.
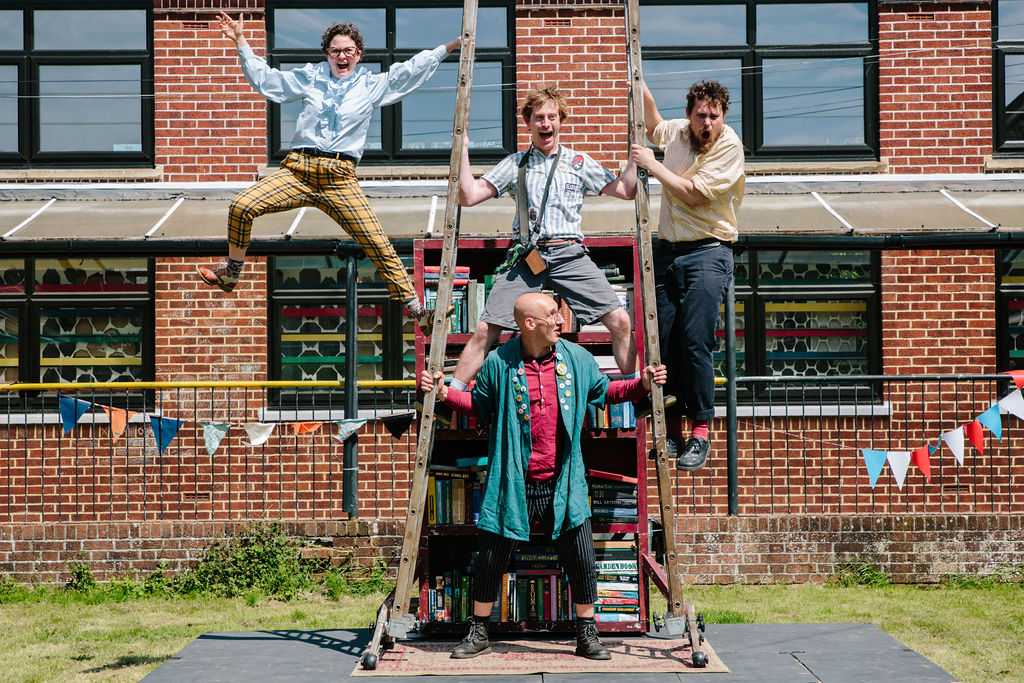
(92, 276)
(1014, 96)
(90, 30)
(8, 345)
(819, 103)
(1011, 19)
(741, 341)
(93, 108)
(302, 29)
(12, 30)
(816, 337)
(1015, 331)
(309, 272)
(693, 25)
(426, 28)
(814, 267)
(312, 342)
(670, 79)
(8, 109)
(290, 113)
(12, 276)
(812, 23)
(427, 113)
(94, 344)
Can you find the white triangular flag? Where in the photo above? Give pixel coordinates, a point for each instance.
(213, 433)
(259, 432)
(1013, 403)
(898, 463)
(955, 440)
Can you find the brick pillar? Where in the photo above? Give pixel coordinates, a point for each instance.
(935, 86)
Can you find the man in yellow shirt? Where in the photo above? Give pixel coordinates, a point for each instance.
(702, 186)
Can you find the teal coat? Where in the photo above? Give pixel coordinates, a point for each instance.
(580, 382)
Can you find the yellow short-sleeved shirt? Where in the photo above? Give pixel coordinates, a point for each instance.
(717, 174)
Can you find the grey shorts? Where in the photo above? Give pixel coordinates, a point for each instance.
(570, 273)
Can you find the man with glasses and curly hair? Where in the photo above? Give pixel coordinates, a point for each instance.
(702, 181)
(330, 134)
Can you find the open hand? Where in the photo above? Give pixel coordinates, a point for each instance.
(231, 29)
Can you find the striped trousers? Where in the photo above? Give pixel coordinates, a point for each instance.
(331, 186)
(575, 549)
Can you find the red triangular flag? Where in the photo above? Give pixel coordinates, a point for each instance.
(1017, 375)
(920, 458)
(975, 434)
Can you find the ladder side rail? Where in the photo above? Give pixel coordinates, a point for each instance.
(652, 345)
(439, 335)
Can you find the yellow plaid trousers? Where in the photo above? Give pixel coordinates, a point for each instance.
(331, 186)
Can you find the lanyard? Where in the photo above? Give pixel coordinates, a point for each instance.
(525, 233)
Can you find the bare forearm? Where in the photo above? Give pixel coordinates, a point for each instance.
(676, 185)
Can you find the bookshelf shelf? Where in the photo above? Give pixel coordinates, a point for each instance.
(620, 453)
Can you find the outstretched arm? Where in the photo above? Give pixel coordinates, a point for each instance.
(652, 117)
(623, 187)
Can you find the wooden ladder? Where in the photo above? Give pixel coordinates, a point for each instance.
(681, 617)
(394, 620)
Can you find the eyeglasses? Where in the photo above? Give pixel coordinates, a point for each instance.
(347, 52)
(550, 319)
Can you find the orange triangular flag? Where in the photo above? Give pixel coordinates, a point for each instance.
(118, 419)
(975, 434)
(305, 427)
(920, 458)
(1017, 375)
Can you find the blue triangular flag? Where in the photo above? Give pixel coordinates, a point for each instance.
(71, 410)
(993, 420)
(164, 429)
(875, 461)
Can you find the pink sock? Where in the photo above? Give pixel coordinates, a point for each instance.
(701, 430)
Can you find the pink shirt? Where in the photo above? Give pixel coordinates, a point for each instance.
(548, 440)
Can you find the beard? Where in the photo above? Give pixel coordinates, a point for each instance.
(698, 145)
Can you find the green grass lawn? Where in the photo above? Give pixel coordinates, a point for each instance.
(974, 633)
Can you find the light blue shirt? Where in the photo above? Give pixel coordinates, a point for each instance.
(336, 112)
(576, 175)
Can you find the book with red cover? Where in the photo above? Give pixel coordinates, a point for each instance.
(611, 476)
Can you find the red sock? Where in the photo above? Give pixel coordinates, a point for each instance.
(701, 430)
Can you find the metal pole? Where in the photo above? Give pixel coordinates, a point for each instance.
(730, 394)
(350, 470)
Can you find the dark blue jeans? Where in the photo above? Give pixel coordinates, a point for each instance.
(691, 279)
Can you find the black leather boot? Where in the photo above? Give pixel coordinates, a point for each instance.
(587, 643)
(475, 643)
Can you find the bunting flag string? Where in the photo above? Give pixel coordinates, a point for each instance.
(898, 463)
(993, 420)
(975, 435)
(954, 439)
(921, 459)
(305, 427)
(874, 461)
(1013, 403)
(398, 424)
(118, 419)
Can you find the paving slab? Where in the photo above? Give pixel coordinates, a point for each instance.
(761, 653)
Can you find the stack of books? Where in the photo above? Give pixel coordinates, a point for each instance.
(613, 498)
(540, 591)
(448, 596)
(618, 586)
(454, 495)
(468, 297)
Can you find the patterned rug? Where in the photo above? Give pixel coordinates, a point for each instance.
(629, 655)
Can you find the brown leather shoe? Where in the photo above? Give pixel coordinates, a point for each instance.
(220, 277)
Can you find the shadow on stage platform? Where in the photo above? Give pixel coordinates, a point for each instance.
(765, 653)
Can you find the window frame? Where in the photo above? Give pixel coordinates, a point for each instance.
(28, 62)
(1000, 49)
(1004, 293)
(369, 294)
(28, 304)
(752, 56)
(754, 296)
(391, 116)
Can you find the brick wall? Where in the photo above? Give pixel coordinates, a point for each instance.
(938, 312)
(913, 548)
(210, 124)
(582, 50)
(935, 86)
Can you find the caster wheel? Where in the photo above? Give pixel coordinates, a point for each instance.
(700, 660)
(369, 661)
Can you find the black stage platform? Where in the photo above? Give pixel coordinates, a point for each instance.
(762, 653)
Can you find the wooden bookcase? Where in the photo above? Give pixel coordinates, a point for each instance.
(447, 547)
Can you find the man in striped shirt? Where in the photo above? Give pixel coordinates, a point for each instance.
(556, 180)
